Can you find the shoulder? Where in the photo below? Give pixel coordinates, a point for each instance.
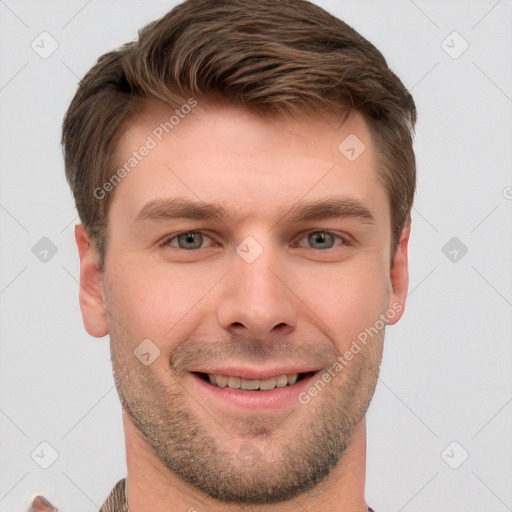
(116, 501)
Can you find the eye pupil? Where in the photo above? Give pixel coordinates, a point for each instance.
(190, 238)
(321, 238)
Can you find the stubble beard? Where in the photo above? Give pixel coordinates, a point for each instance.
(267, 459)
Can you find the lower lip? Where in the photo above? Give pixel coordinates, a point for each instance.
(274, 399)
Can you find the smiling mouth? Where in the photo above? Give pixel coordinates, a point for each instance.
(281, 381)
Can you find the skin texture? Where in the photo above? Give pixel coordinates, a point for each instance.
(301, 301)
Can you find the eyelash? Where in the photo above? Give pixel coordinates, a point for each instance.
(344, 240)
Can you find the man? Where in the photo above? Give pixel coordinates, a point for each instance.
(244, 175)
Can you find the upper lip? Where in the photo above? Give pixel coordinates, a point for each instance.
(255, 373)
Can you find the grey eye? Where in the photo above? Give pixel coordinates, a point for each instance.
(188, 240)
(322, 239)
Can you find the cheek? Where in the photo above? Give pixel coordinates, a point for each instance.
(156, 302)
(164, 304)
(347, 301)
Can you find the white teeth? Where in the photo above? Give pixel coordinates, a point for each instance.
(267, 384)
(233, 382)
(292, 379)
(281, 381)
(222, 381)
(249, 384)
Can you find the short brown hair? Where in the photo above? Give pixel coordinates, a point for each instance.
(274, 57)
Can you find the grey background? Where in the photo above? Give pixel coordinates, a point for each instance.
(446, 374)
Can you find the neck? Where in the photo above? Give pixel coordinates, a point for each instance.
(150, 485)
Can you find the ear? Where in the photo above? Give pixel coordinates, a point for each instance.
(399, 276)
(91, 296)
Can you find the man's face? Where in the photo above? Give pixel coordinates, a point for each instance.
(253, 295)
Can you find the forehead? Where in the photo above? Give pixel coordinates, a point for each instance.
(252, 165)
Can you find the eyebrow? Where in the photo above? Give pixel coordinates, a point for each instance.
(160, 210)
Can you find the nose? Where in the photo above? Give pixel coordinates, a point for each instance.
(256, 300)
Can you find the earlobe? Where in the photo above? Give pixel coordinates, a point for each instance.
(91, 286)
(399, 276)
